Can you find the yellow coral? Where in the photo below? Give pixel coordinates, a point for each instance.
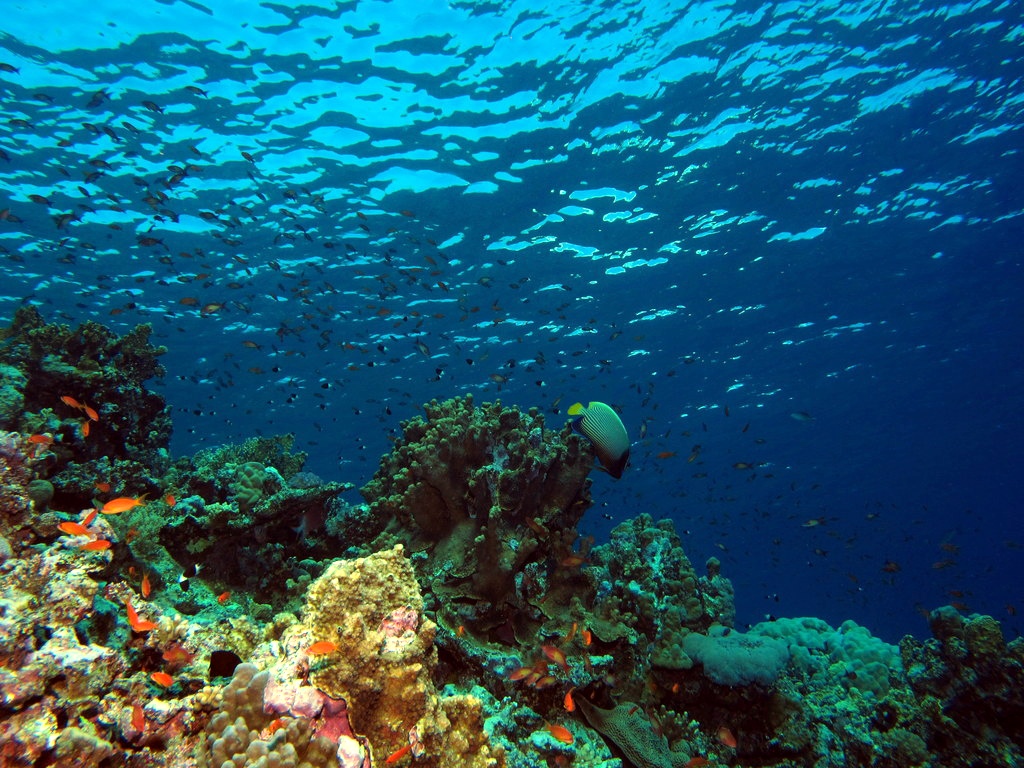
(383, 664)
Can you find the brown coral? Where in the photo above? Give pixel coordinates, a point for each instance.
(487, 490)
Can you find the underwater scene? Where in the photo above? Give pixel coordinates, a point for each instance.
(504, 384)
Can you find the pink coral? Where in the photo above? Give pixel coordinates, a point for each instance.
(292, 696)
(400, 621)
(399, 628)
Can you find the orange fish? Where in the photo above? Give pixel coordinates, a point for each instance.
(572, 561)
(136, 624)
(71, 401)
(398, 754)
(90, 517)
(91, 413)
(555, 654)
(587, 637)
(275, 726)
(726, 737)
(570, 705)
(84, 428)
(40, 440)
(223, 597)
(122, 504)
(146, 588)
(102, 487)
(169, 500)
(96, 546)
(560, 732)
(74, 529)
(177, 655)
(138, 718)
(324, 646)
(461, 631)
(520, 674)
(572, 633)
(162, 678)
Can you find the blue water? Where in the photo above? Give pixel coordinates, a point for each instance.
(796, 208)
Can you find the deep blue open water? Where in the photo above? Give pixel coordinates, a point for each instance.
(783, 235)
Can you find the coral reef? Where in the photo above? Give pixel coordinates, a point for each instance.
(454, 619)
(371, 609)
(244, 733)
(484, 491)
(969, 684)
(94, 367)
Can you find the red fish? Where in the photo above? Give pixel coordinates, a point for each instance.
(90, 517)
(91, 413)
(177, 655)
(74, 529)
(138, 718)
(726, 737)
(71, 402)
(169, 500)
(223, 597)
(560, 732)
(568, 703)
(398, 754)
(146, 588)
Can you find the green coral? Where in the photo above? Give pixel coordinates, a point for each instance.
(270, 452)
(12, 394)
(41, 493)
(251, 482)
(233, 737)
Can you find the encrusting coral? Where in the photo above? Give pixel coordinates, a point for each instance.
(371, 609)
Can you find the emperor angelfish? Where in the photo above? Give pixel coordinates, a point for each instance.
(600, 424)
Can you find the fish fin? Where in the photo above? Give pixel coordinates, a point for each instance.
(576, 409)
